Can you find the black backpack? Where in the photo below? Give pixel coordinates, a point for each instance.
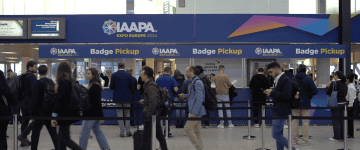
(79, 98)
(49, 95)
(17, 87)
(164, 97)
(210, 102)
(294, 102)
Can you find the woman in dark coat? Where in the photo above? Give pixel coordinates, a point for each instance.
(62, 109)
(4, 110)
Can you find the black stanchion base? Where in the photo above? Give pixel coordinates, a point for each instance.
(249, 137)
(358, 129)
(343, 149)
(262, 149)
(90, 137)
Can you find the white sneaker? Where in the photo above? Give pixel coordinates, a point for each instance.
(257, 126)
(221, 126)
(332, 139)
(10, 125)
(141, 127)
(286, 127)
(231, 126)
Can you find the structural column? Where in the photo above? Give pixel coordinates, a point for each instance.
(323, 71)
(345, 34)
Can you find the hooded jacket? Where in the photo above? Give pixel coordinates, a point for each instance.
(307, 88)
(289, 74)
(180, 78)
(257, 83)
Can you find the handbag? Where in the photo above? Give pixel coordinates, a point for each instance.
(5, 101)
(332, 99)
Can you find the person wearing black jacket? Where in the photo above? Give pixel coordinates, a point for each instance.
(42, 109)
(207, 82)
(257, 84)
(342, 89)
(28, 80)
(62, 107)
(140, 87)
(134, 81)
(4, 110)
(95, 110)
(179, 112)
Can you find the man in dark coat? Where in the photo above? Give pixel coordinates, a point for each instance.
(258, 83)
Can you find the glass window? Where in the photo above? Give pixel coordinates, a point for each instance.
(18, 67)
(2, 68)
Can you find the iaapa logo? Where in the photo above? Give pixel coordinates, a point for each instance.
(268, 52)
(165, 51)
(111, 27)
(63, 52)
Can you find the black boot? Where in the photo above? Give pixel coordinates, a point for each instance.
(178, 124)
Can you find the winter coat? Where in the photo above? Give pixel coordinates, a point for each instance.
(257, 83)
(307, 88)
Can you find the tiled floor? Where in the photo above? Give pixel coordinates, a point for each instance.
(213, 138)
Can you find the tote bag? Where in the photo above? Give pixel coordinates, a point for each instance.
(332, 99)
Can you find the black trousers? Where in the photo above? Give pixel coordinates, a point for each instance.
(351, 123)
(3, 128)
(206, 122)
(132, 113)
(257, 111)
(38, 124)
(169, 113)
(338, 125)
(146, 139)
(65, 140)
(24, 123)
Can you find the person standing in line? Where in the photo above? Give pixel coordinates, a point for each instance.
(284, 68)
(307, 90)
(106, 78)
(42, 109)
(195, 98)
(140, 87)
(350, 97)
(62, 106)
(95, 110)
(207, 82)
(121, 83)
(180, 78)
(223, 84)
(4, 111)
(281, 94)
(15, 107)
(151, 103)
(134, 82)
(8, 76)
(28, 80)
(171, 85)
(257, 84)
(342, 88)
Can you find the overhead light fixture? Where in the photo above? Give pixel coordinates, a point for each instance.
(61, 59)
(171, 59)
(9, 52)
(11, 58)
(36, 48)
(11, 61)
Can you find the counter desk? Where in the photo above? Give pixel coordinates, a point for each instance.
(244, 94)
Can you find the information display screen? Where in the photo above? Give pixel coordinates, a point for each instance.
(11, 28)
(45, 27)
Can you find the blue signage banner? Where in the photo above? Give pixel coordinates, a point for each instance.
(191, 51)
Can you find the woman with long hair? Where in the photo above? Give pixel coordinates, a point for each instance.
(4, 110)
(341, 88)
(95, 110)
(62, 107)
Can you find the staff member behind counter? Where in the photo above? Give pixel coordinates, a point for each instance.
(106, 78)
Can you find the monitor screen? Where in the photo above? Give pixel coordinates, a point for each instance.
(45, 28)
(11, 28)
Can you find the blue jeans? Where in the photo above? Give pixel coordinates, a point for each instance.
(277, 134)
(120, 113)
(86, 126)
(177, 99)
(224, 98)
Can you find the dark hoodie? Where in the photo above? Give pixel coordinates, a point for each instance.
(257, 83)
(180, 78)
(307, 88)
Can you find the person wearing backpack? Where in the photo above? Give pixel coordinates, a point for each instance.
(44, 100)
(281, 93)
(27, 82)
(307, 90)
(63, 108)
(95, 110)
(180, 78)
(4, 110)
(223, 84)
(15, 108)
(152, 103)
(195, 99)
(171, 85)
(207, 83)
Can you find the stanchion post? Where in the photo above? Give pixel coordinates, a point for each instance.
(153, 133)
(263, 129)
(249, 136)
(15, 131)
(167, 128)
(345, 129)
(290, 133)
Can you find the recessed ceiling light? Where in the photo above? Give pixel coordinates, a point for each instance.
(61, 59)
(11, 58)
(171, 59)
(9, 52)
(36, 48)
(11, 61)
